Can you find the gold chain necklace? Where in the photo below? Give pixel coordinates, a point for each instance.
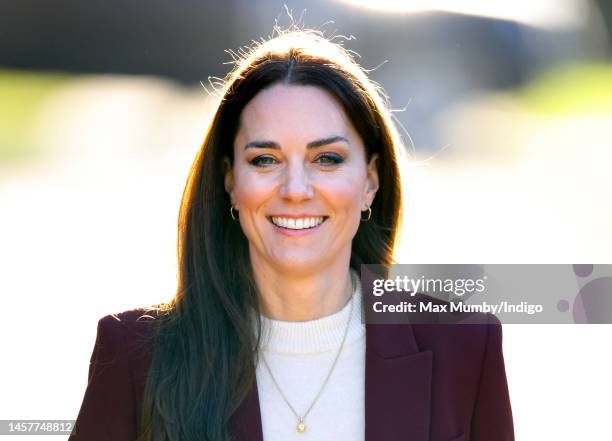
(301, 426)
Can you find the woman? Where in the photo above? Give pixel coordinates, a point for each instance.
(296, 185)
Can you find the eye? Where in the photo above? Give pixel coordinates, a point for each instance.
(262, 161)
(329, 159)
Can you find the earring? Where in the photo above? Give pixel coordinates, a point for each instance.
(232, 212)
(369, 215)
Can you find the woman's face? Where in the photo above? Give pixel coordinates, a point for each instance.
(299, 180)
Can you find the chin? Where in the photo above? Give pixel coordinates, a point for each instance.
(299, 265)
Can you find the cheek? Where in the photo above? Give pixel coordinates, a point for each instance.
(343, 193)
(251, 190)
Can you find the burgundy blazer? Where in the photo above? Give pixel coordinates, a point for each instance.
(423, 382)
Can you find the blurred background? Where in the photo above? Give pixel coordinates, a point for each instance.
(505, 108)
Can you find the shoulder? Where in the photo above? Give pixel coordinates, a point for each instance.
(468, 369)
(125, 342)
(140, 320)
(117, 375)
(129, 333)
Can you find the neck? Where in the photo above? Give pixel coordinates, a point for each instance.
(289, 297)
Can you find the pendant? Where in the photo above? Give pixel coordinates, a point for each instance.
(301, 427)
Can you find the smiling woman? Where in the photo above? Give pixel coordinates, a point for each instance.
(299, 181)
(296, 185)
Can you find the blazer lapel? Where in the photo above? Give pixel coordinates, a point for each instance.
(397, 385)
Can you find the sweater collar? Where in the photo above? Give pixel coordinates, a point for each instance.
(318, 335)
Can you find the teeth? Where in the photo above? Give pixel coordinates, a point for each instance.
(297, 224)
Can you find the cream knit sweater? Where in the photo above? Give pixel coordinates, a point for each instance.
(300, 355)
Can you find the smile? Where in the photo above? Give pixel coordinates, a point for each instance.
(302, 223)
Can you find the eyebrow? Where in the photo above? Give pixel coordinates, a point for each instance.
(310, 145)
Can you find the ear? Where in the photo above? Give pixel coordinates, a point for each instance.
(228, 178)
(372, 182)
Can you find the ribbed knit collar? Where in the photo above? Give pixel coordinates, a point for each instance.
(314, 336)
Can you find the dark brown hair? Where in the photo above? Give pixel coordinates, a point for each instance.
(206, 347)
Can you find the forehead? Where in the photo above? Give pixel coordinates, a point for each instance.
(300, 111)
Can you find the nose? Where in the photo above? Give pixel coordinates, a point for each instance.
(295, 185)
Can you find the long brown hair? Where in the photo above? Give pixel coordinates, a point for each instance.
(205, 351)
